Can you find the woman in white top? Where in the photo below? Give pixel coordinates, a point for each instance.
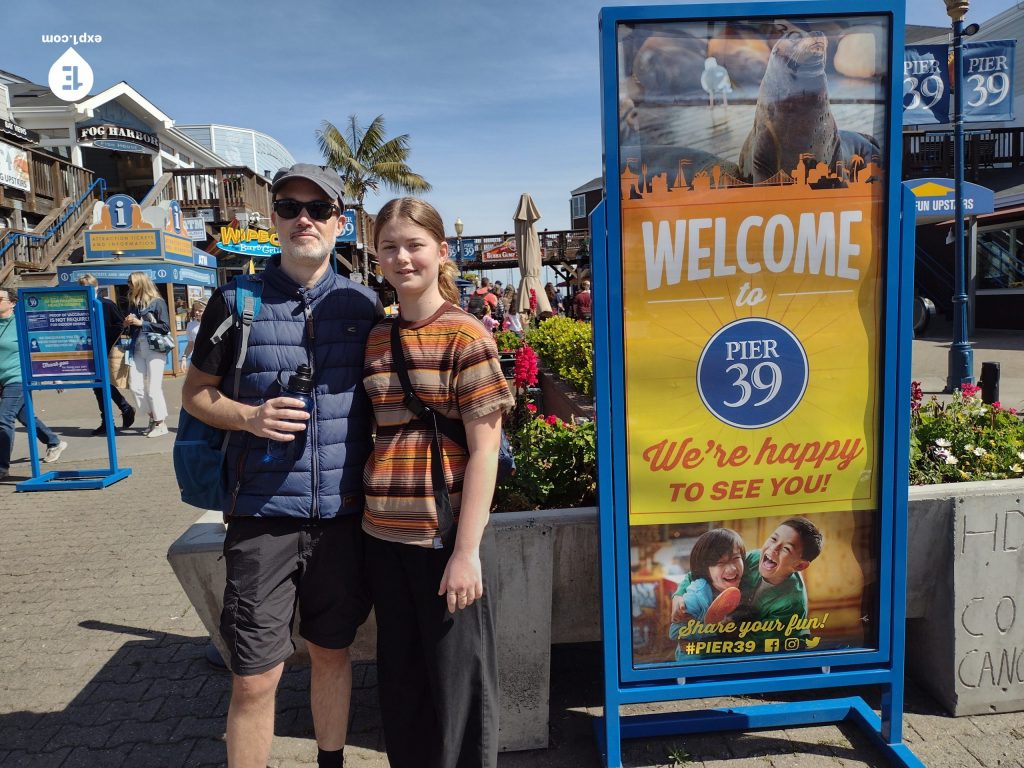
(195, 315)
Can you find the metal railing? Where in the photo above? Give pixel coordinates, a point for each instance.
(933, 280)
(930, 153)
(39, 249)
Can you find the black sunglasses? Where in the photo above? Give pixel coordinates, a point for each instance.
(321, 210)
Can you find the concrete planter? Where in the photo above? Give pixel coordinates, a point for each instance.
(965, 598)
(560, 399)
(548, 592)
(965, 594)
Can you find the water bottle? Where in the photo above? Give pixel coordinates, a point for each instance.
(300, 387)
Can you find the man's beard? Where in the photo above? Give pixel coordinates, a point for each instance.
(307, 253)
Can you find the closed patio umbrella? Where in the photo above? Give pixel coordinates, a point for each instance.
(528, 250)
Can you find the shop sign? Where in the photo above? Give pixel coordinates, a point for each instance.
(12, 129)
(14, 167)
(90, 134)
(506, 251)
(119, 146)
(249, 242)
(117, 274)
(936, 198)
(196, 228)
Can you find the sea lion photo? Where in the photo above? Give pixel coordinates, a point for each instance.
(793, 117)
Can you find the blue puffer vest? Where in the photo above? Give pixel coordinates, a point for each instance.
(325, 326)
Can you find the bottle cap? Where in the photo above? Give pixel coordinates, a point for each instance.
(302, 380)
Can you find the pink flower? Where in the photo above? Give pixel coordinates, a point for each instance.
(533, 300)
(531, 407)
(916, 395)
(524, 372)
(969, 390)
(552, 420)
(997, 405)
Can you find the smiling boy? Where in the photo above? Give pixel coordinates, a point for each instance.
(772, 585)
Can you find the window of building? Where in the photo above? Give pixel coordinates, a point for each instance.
(1001, 259)
(579, 206)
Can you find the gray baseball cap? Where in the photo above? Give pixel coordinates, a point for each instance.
(325, 178)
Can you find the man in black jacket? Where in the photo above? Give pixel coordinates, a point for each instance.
(113, 324)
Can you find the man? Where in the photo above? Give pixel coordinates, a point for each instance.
(480, 298)
(582, 303)
(293, 525)
(113, 324)
(12, 397)
(772, 587)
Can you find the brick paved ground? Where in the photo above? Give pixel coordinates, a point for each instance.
(102, 660)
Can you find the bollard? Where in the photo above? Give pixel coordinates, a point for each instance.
(989, 382)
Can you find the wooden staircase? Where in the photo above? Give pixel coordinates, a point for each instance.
(42, 248)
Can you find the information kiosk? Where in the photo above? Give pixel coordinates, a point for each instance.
(62, 345)
(753, 348)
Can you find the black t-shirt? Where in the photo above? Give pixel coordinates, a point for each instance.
(113, 321)
(215, 359)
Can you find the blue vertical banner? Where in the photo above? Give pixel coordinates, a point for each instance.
(925, 84)
(988, 81)
(348, 229)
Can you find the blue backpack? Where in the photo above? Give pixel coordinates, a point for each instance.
(198, 447)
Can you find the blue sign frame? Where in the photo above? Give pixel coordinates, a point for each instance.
(67, 480)
(627, 683)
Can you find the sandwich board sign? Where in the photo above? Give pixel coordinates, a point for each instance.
(753, 482)
(62, 345)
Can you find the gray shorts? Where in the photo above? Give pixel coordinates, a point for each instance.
(272, 563)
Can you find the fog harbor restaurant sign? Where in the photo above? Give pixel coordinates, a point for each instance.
(117, 137)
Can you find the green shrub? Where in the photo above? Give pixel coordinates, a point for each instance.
(556, 466)
(508, 341)
(566, 346)
(964, 439)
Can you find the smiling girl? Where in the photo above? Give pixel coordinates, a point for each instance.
(710, 591)
(432, 587)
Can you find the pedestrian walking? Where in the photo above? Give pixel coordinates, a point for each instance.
(12, 396)
(195, 316)
(113, 325)
(293, 516)
(149, 315)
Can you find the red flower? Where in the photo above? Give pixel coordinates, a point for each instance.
(531, 407)
(524, 373)
(997, 405)
(533, 300)
(552, 420)
(969, 390)
(916, 395)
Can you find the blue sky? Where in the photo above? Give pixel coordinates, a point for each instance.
(499, 98)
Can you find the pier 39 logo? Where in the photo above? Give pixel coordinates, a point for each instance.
(752, 373)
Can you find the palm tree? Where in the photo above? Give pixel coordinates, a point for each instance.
(366, 160)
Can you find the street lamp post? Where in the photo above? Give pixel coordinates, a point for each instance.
(458, 244)
(960, 368)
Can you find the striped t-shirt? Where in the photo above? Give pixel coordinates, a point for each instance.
(453, 367)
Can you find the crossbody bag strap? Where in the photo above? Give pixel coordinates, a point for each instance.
(442, 501)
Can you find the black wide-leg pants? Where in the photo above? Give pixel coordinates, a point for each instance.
(437, 673)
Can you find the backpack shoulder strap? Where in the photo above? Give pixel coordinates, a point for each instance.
(248, 290)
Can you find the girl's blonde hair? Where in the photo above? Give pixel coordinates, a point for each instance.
(424, 215)
(141, 290)
(196, 306)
